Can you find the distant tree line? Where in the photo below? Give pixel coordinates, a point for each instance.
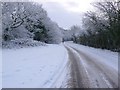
(102, 28)
(71, 34)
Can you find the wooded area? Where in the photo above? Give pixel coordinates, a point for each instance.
(102, 27)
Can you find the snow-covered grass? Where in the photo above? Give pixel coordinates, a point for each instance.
(21, 43)
(0, 68)
(45, 66)
(108, 57)
(35, 67)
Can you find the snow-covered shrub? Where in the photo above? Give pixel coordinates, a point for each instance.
(14, 15)
(53, 32)
(28, 20)
(20, 43)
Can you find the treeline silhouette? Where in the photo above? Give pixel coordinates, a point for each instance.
(102, 27)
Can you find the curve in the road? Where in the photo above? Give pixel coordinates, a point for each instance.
(88, 72)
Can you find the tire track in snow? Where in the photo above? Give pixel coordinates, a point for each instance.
(90, 73)
(79, 78)
(105, 75)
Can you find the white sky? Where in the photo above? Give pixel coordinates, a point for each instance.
(66, 12)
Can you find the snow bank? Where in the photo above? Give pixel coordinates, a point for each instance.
(0, 68)
(35, 67)
(20, 43)
(108, 57)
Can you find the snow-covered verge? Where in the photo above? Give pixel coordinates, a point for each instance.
(0, 68)
(21, 43)
(35, 67)
(108, 57)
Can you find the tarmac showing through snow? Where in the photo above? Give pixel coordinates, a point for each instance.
(89, 71)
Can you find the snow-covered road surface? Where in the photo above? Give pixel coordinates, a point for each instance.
(91, 69)
(65, 65)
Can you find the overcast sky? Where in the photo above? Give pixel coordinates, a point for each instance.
(66, 12)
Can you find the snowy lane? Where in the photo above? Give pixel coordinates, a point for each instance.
(78, 78)
(91, 71)
(72, 66)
